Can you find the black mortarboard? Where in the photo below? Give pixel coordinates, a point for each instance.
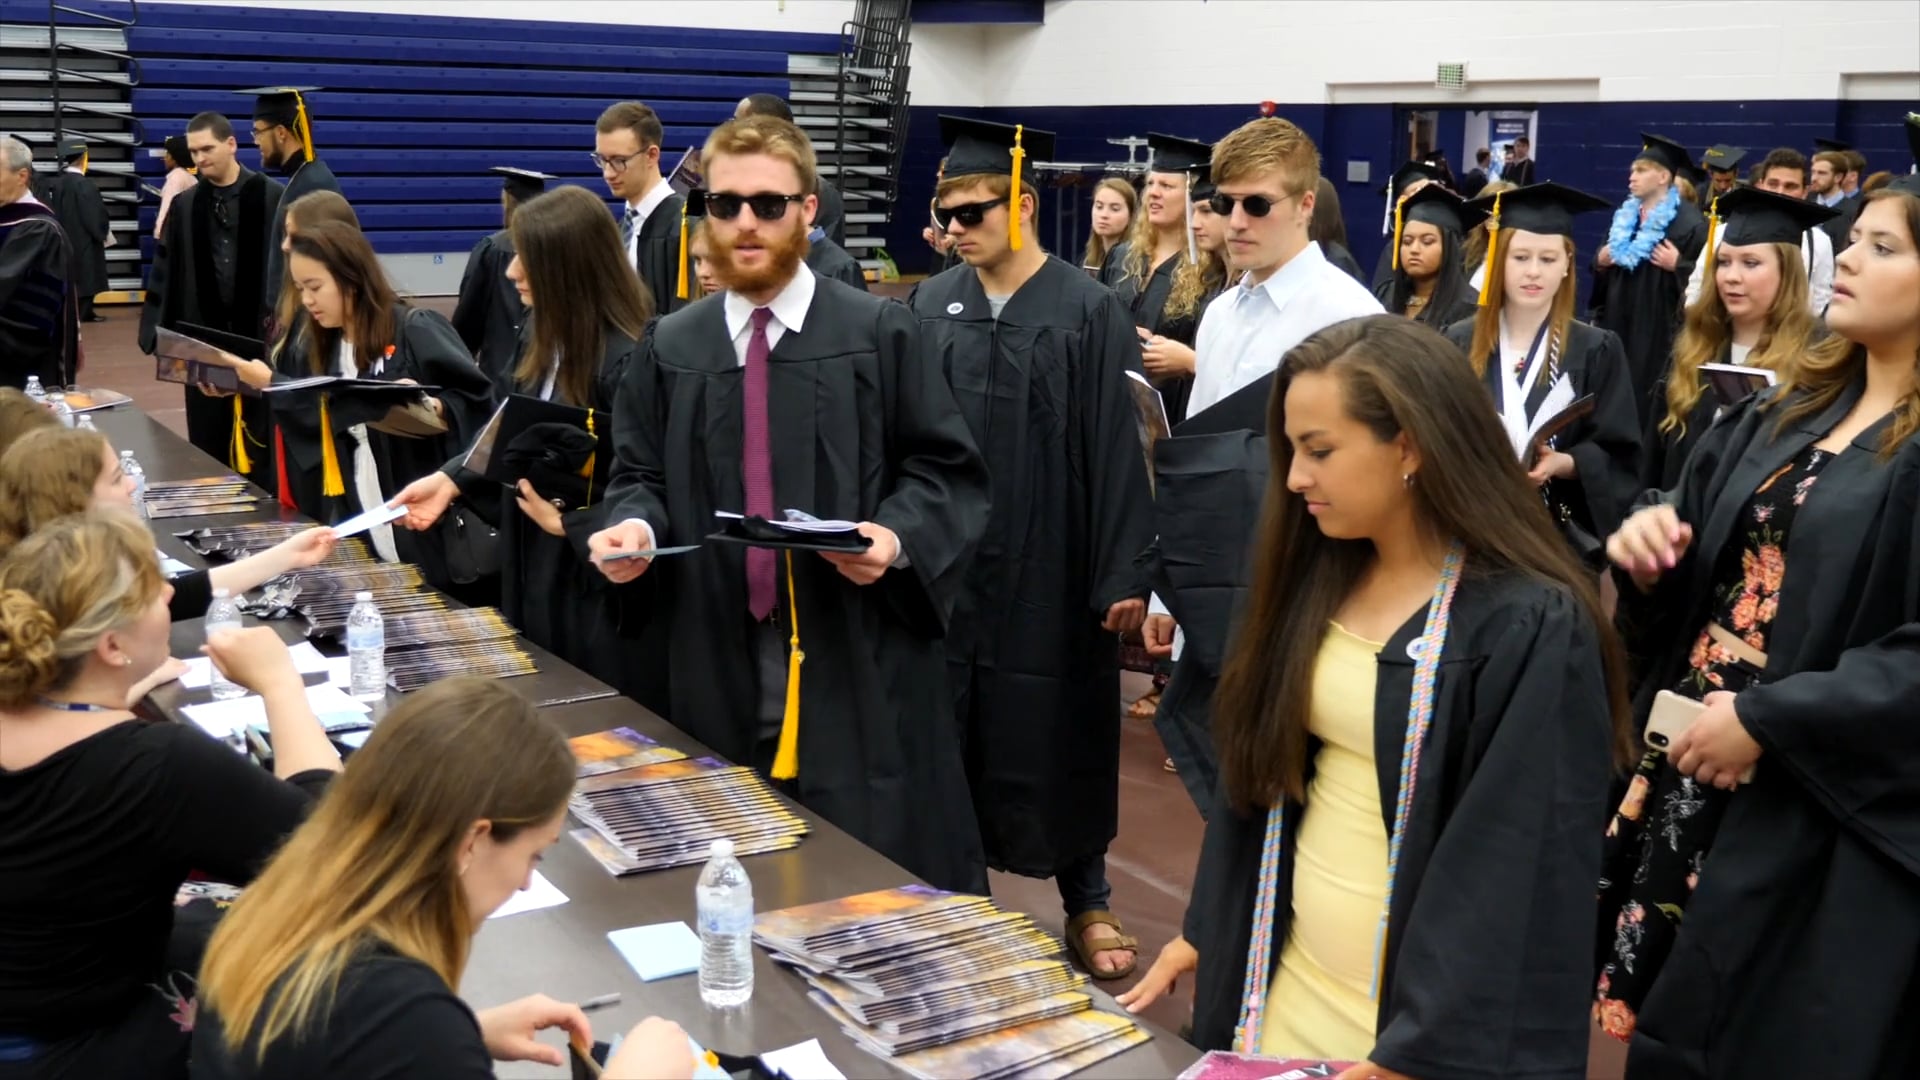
(521, 183)
(1910, 183)
(72, 148)
(279, 104)
(1666, 153)
(1546, 208)
(1756, 216)
(1436, 205)
(177, 150)
(1724, 158)
(1174, 154)
(1407, 174)
(984, 148)
(1834, 145)
(1201, 189)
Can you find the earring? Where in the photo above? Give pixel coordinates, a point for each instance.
(1407, 479)
(126, 661)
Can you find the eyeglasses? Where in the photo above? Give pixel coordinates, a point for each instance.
(968, 214)
(725, 205)
(1257, 205)
(617, 164)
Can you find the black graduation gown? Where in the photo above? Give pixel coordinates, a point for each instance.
(1801, 941)
(77, 202)
(39, 308)
(1643, 306)
(489, 314)
(427, 351)
(1339, 256)
(1147, 305)
(659, 255)
(830, 260)
(1839, 227)
(1036, 681)
(182, 289)
(832, 214)
(303, 178)
(1441, 311)
(1488, 969)
(863, 429)
(1605, 445)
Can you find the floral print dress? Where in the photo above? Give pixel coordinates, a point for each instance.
(1658, 841)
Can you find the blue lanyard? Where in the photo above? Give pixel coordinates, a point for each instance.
(75, 706)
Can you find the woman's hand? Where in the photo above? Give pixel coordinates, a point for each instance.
(1553, 465)
(426, 500)
(1649, 544)
(1164, 358)
(655, 1049)
(1367, 1070)
(254, 373)
(304, 550)
(1715, 749)
(509, 1029)
(1177, 959)
(255, 658)
(540, 511)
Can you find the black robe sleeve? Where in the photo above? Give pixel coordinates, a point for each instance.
(659, 256)
(832, 215)
(470, 310)
(637, 488)
(1512, 871)
(160, 277)
(1120, 514)
(830, 260)
(433, 355)
(1606, 445)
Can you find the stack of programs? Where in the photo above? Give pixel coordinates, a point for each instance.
(200, 498)
(429, 644)
(670, 812)
(946, 985)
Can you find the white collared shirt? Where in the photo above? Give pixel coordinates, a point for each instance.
(645, 207)
(1248, 328)
(789, 312)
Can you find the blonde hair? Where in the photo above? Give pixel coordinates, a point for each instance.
(376, 862)
(62, 590)
(1097, 249)
(1266, 145)
(1486, 320)
(1708, 328)
(47, 474)
(767, 135)
(20, 414)
(696, 235)
(1138, 265)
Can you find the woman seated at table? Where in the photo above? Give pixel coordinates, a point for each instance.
(344, 959)
(103, 815)
(1408, 590)
(50, 473)
(20, 414)
(574, 349)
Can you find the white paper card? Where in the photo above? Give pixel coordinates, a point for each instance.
(221, 719)
(541, 894)
(803, 1061)
(360, 523)
(307, 660)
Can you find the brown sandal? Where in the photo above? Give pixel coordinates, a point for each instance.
(1145, 706)
(1085, 950)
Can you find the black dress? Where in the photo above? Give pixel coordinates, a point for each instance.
(1485, 971)
(1146, 303)
(1798, 949)
(1044, 390)
(1438, 312)
(489, 314)
(863, 428)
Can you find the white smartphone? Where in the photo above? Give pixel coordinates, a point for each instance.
(1672, 715)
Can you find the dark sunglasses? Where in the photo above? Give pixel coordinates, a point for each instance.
(1257, 205)
(968, 214)
(767, 206)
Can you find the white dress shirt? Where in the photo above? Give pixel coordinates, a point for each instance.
(645, 207)
(1816, 254)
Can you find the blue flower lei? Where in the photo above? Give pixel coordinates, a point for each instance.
(1630, 240)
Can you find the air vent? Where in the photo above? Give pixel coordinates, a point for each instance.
(1450, 77)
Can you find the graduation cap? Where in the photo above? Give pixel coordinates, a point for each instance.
(1434, 205)
(1724, 158)
(70, 149)
(984, 148)
(285, 105)
(1831, 145)
(521, 183)
(1665, 153)
(1407, 174)
(1546, 208)
(1910, 183)
(1172, 154)
(1755, 216)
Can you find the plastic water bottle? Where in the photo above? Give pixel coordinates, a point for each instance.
(131, 466)
(724, 899)
(35, 391)
(57, 401)
(84, 422)
(366, 650)
(223, 614)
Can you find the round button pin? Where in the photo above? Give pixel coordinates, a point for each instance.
(956, 308)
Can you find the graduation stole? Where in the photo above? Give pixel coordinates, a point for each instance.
(786, 756)
(1260, 955)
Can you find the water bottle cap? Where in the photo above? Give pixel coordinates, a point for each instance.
(721, 849)
(362, 597)
(221, 594)
(126, 455)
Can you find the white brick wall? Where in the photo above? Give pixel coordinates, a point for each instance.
(1201, 52)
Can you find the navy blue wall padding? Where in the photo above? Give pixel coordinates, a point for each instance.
(158, 104)
(236, 45)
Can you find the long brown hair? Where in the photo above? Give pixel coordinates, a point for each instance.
(304, 213)
(61, 590)
(47, 474)
(367, 321)
(20, 414)
(1707, 328)
(1831, 365)
(1327, 226)
(1486, 320)
(1097, 249)
(570, 251)
(376, 862)
(1397, 376)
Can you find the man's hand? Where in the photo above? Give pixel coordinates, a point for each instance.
(1125, 616)
(426, 500)
(1605, 258)
(866, 567)
(1665, 256)
(618, 539)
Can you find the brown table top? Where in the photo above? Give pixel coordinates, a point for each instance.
(563, 951)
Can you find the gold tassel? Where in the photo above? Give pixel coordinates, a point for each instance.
(1713, 231)
(330, 481)
(240, 461)
(306, 125)
(1490, 267)
(588, 471)
(1399, 223)
(786, 758)
(1013, 200)
(682, 291)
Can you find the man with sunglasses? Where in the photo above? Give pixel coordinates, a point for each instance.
(626, 148)
(1039, 356)
(789, 391)
(283, 130)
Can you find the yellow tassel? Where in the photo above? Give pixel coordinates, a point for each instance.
(682, 291)
(588, 471)
(786, 758)
(1399, 223)
(1713, 231)
(240, 461)
(1491, 266)
(306, 125)
(1013, 200)
(330, 481)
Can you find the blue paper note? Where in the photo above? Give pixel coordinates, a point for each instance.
(660, 951)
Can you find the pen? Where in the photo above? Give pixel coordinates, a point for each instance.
(602, 1002)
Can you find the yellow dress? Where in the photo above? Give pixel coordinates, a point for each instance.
(1320, 1002)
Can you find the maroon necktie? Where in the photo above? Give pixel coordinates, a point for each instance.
(756, 465)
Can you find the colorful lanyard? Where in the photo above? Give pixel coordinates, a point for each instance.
(1253, 1000)
(75, 706)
